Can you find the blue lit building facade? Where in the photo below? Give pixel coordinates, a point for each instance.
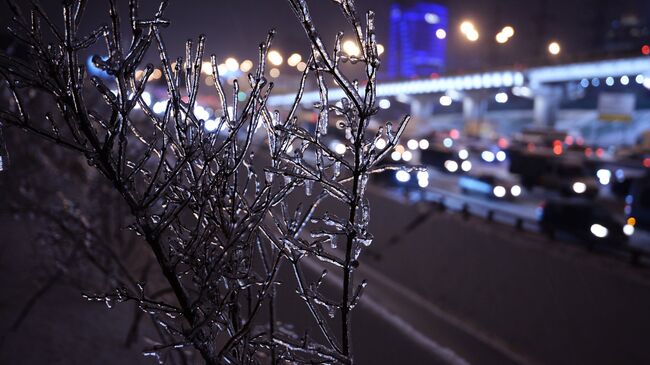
(417, 40)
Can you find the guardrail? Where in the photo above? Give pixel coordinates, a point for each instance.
(446, 201)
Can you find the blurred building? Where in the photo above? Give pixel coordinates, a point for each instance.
(417, 40)
(629, 33)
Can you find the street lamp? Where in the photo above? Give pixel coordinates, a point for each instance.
(554, 48)
(468, 29)
(275, 58)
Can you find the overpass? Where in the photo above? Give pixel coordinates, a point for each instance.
(539, 83)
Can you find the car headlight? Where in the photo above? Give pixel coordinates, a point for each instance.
(599, 230)
(579, 187)
(515, 190)
(451, 166)
(604, 176)
(402, 176)
(628, 229)
(499, 191)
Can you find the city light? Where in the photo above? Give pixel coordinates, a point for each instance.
(301, 66)
(231, 64)
(431, 18)
(515, 190)
(463, 154)
(609, 81)
(499, 191)
(501, 98)
(380, 49)
(412, 144)
(275, 58)
(402, 176)
(274, 72)
(505, 34)
(451, 166)
(445, 100)
(508, 31)
(384, 103)
(554, 48)
(501, 38)
(625, 80)
(339, 148)
(294, 60)
(579, 187)
(441, 34)
(380, 143)
(246, 66)
(407, 156)
(645, 50)
(396, 156)
(598, 230)
(351, 48)
(466, 166)
(424, 144)
(470, 32)
(211, 125)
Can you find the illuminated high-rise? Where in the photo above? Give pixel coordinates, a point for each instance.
(417, 41)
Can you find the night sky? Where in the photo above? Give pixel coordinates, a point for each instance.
(234, 28)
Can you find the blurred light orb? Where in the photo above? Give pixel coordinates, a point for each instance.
(274, 72)
(231, 64)
(211, 125)
(431, 18)
(501, 98)
(451, 166)
(412, 144)
(407, 156)
(499, 191)
(625, 80)
(554, 48)
(275, 58)
(384, 103)
(508, 31)
(380, 49)
(445, 100)
(466, 166)
(351, 48)
(246, 66)
(441, 33)
(301, 66)
(294, 60)
(424, 144)
(402, 176)
(380, 143)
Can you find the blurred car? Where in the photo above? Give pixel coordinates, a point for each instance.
(490, 186)
(583, 219)
(403, 178)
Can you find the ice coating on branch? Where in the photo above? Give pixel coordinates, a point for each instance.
(216, 221)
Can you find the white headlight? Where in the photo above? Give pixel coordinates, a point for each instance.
(412, 144)
(499, 191)
(451, 166)
(579, 187)
(466, 166)
(604, 176)
(599, 230)
(402, 176)
(515, 190)
(628, 229)
(487, 156)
